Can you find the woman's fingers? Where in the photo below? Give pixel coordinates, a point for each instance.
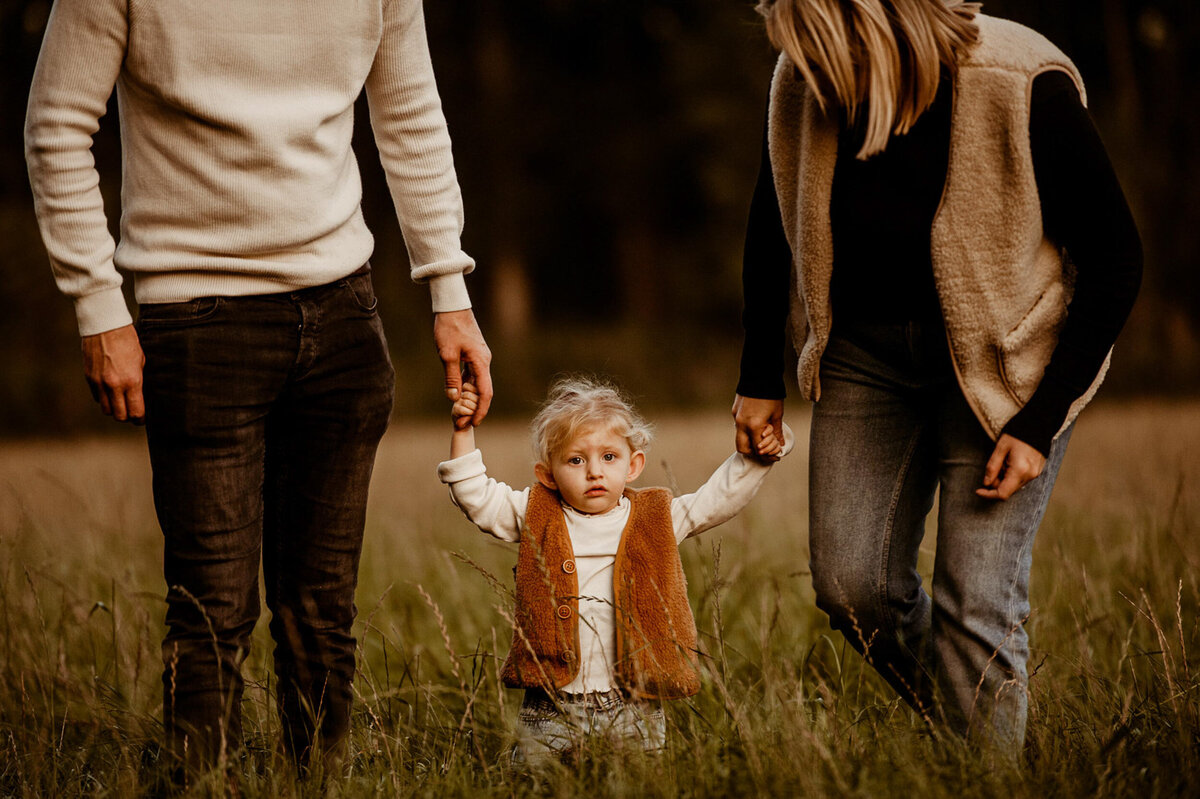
(1013, 464)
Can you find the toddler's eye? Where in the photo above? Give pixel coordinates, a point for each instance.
(575, 461)
(608, 456)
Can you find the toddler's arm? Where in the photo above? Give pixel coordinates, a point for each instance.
(492, 506)
(729, 489)
(462, 440)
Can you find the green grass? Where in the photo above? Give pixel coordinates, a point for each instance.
(786, 707)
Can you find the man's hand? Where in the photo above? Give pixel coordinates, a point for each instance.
(1013, 464)
(112, 365)
(753, 419)
(460, 343)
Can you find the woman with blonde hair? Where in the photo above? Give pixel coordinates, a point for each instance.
(936, 213)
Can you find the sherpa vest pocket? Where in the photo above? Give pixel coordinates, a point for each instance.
(1024, 351)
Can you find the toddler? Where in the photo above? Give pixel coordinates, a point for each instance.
(602, 628)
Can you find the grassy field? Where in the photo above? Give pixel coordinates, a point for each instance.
(786, 709)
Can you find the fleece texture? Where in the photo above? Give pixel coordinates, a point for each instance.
(656, 633)
(1002, 285)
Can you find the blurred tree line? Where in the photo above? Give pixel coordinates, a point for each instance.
(607, 150)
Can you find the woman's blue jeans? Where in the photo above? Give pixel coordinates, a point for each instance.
(263, 415)
(891, 429)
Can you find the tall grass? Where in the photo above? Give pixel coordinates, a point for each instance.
(786, 708)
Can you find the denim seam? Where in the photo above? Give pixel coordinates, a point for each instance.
(1026, 545)
(881, 593)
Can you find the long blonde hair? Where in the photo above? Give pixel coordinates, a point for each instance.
(884, 55)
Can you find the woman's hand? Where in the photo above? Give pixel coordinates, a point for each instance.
(754, 418)
(1013, 464)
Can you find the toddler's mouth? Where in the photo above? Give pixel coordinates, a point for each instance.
(596, 491)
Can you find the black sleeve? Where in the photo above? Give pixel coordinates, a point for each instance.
(1085, 212)
(766, 278)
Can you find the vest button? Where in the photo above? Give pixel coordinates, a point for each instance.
(564, 612)
(569, 566)
(567, 656)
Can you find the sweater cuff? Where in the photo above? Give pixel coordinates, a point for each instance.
(449, 293)
(462, 468)
(789, 439)
(103, 311)
(1038, 423)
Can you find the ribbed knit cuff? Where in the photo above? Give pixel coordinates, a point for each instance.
(1038, 423)
(459, 469)
(449, 293)
(100, 312)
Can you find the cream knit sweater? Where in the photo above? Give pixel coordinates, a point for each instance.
(237, 177)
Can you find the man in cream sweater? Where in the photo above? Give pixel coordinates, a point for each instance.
(258, 363)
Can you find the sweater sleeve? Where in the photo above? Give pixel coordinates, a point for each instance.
(414, 147)
(766, 275)
(1085, 212)
(491, 506)
(80, 59)
(724, 494)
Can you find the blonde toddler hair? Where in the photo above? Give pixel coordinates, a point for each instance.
(884, 55)
(577, 403)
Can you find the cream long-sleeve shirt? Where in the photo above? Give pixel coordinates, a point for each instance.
(237, 172)
(499, 510)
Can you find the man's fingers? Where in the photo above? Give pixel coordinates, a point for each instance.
(453, 378)
(135, 405)
(117, 401)
(105, 402)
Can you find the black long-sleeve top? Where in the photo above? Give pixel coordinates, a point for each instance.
(881, 214)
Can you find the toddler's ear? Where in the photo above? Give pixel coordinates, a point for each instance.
(637, 462)
(545, 476)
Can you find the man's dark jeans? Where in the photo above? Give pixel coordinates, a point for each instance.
(263, 415)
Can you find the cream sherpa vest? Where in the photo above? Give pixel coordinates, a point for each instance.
(1003, 286)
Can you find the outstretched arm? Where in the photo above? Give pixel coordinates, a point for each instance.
(492, 506)
(727, 491)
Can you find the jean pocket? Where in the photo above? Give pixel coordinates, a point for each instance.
(178, 314)
(362, 292)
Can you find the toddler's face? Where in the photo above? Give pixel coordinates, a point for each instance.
(591, 470)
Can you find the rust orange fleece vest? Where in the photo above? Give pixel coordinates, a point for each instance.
(656, 634)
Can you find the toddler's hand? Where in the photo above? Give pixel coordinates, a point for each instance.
(769, 445)
(464, 406)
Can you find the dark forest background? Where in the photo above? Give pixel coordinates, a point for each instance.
(607, 151)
